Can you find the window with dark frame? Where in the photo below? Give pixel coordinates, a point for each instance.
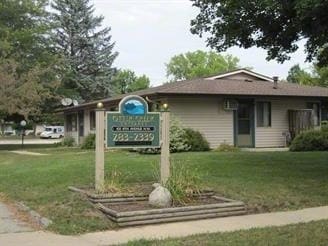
(71, 122)
(263, 114)
(92, 120)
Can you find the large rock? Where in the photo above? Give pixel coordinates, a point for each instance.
(160, 197)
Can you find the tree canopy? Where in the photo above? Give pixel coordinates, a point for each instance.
(318, 76)
(273, 25)
(86, 48)
(127, 81)
(23, 94)
(199, 64)
(27, 76)
(24, 29)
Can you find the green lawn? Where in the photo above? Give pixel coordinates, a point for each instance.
(265, 181)
(308, 234)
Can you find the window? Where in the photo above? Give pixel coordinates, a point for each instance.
(92, 120)
(71, 122)
(324, 111)
(263, 114)
(315, 112)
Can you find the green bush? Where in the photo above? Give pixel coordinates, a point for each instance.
(196, 140)
(178, 141)
(67, 142)
(315, 140)
(324, 125)
(89, 142)
(224, 147)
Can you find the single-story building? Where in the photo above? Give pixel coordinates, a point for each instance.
(241, 108)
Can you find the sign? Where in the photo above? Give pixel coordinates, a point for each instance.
(132, 126)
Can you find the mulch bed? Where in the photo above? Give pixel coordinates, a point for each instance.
(143, 205)
(131, 208)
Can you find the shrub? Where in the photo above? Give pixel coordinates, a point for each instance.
(224, 147)
(178, 141)
(324, 125)
(310, 141)
(67, 142)
(196, 140)
(149, 151)
(89, 142)
(183, 183)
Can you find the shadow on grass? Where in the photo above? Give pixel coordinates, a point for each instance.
(26, 147)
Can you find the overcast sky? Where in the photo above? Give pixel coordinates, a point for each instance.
(149, 32)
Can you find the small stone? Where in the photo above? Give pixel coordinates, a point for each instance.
(160, 197)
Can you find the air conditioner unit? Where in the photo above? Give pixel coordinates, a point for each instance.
(230, 104)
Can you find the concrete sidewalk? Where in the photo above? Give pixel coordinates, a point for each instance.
(8, 222)
(162, 231)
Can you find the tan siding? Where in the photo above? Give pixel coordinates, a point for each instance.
(207, 116)
(272, 136)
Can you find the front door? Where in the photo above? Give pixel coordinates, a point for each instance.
(244, 124)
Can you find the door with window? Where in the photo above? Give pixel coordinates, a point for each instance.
(244, 124)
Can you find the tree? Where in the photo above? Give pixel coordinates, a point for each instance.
(24, 93)
(273, 25)
(127, 81)
(297, 75)
(316, 77)
(86, 49)
(27, 74)
(24, 30)
(198, 64)
(322, 76)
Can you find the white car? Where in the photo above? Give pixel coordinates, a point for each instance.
(53, 132)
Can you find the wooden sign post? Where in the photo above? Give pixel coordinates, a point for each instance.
(165, 148)
(132, 127)
(100, 152)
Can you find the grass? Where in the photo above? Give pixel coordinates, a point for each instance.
(305, 234)
(265, 181)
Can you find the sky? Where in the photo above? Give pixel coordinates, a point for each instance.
(147, 33)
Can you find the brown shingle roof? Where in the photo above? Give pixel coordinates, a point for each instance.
(241, 87)
(205, 86)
